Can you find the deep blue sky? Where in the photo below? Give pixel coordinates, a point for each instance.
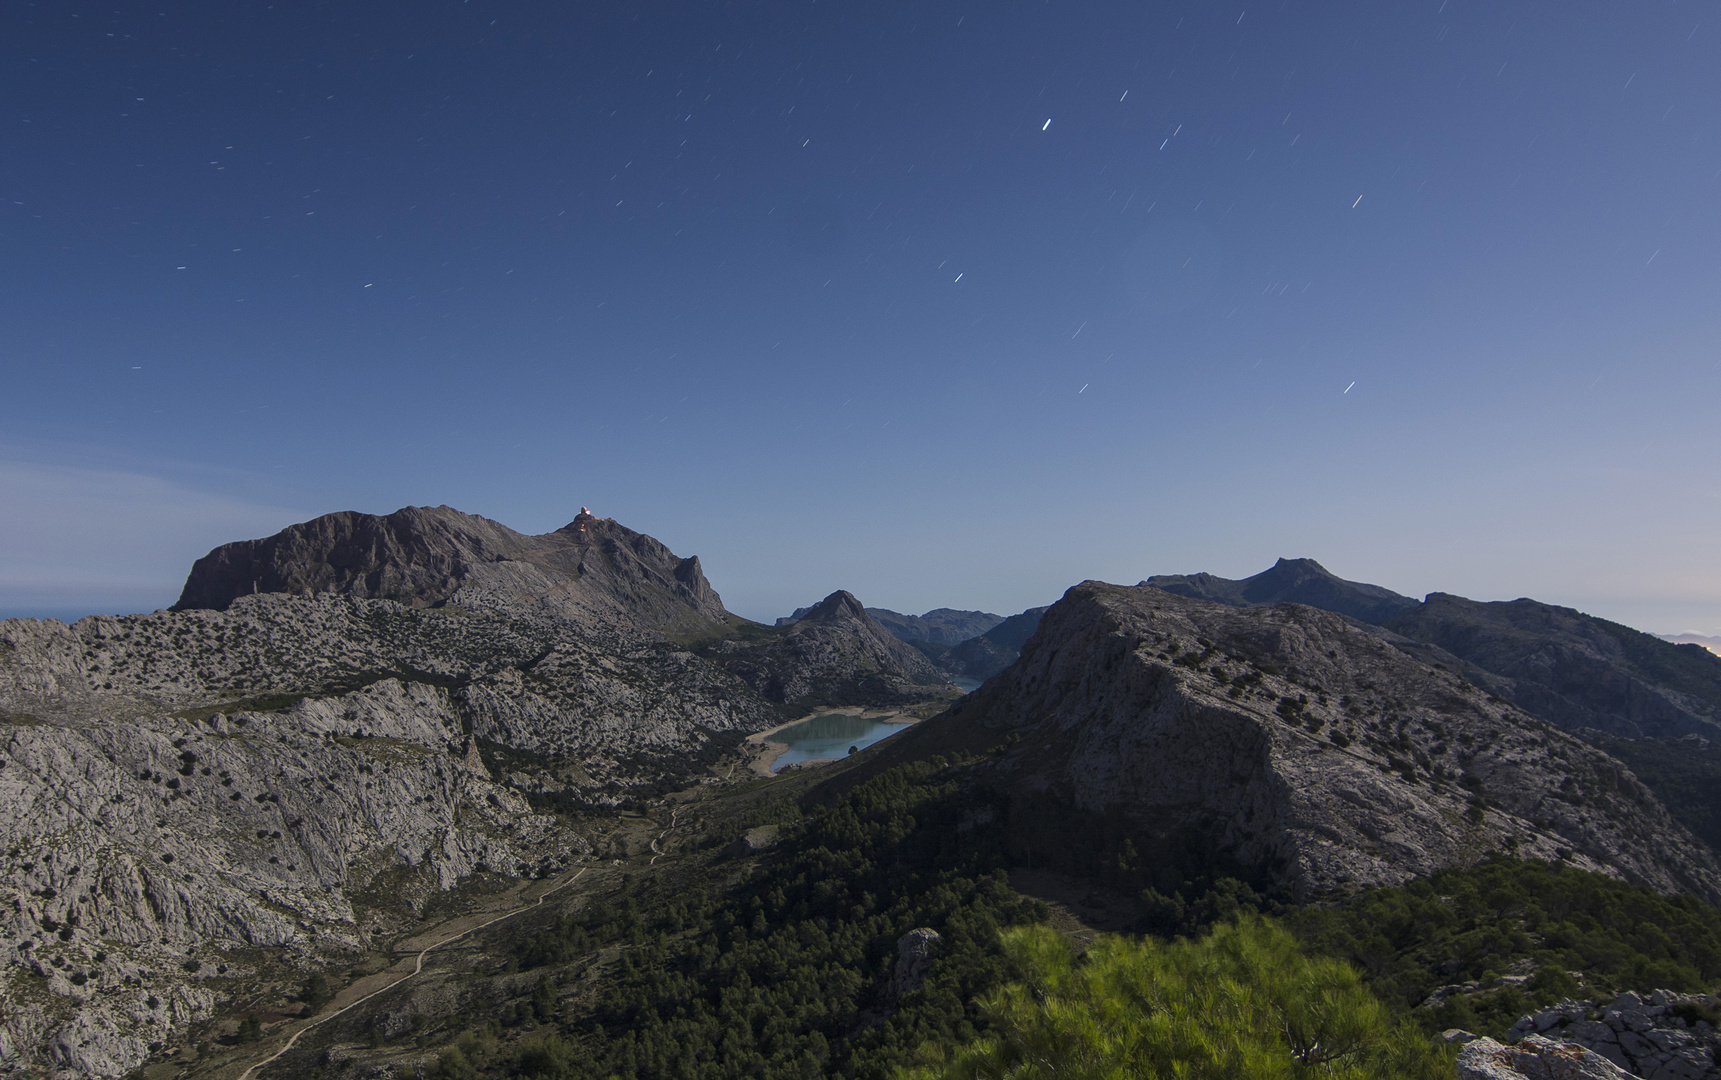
(814, 290)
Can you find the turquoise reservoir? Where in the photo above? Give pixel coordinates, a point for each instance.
(828, 736)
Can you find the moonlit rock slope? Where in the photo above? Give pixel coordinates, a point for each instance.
(1311, 746)
(199, 802)
(590, 569)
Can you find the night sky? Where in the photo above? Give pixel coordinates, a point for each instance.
(946, 304)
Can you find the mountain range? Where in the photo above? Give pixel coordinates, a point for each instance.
(1713, 644)
(940, 626)
(1573, 670)
(359, 700)
(366, 727)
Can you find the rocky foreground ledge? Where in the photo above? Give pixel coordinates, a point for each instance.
(1657, 1036)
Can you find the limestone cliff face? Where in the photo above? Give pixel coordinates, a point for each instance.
(1316, 749)
(592, 569)
(142, 850)
(230, 789)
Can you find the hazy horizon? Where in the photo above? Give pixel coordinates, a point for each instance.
(70, 613)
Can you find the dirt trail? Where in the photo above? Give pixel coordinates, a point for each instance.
(417, 968)
(656, 854)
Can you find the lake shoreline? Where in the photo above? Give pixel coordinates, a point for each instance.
(769, 750)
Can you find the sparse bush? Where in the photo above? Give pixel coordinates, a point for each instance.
(453, 1064)
(547, 1059)
(315, 993)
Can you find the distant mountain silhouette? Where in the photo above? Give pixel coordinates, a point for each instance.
(1296, 581)
(1713, 644)
(986, 655)
(941, 626)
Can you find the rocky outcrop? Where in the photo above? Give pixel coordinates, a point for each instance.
(1293, 581)
(1534, 1058)
(753, 841)
(153, 865)
(592, 569)
(1658, 1036)
(337, 723)
(835, 653)
(915, 951)
(536, 683)
(1309, 746)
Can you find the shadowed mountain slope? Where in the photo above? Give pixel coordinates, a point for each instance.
(1302, 743)
(1575, 670)
(985, 656)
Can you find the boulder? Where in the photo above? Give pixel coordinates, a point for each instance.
(914, 953)
(1536, 1058)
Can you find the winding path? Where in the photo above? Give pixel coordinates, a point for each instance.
(656, 854)
(417, 967)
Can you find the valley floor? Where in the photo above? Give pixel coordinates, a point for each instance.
(421, 972)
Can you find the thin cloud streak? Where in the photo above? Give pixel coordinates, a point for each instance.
(81, 538)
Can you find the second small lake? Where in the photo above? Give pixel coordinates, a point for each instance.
(829, 736)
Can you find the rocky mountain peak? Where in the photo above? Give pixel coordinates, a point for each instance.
(591, 570)
(1295, 570)
(836, 647)
(1297, 581)
(839, 607)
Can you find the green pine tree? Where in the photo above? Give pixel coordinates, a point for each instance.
(1242, 1003)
